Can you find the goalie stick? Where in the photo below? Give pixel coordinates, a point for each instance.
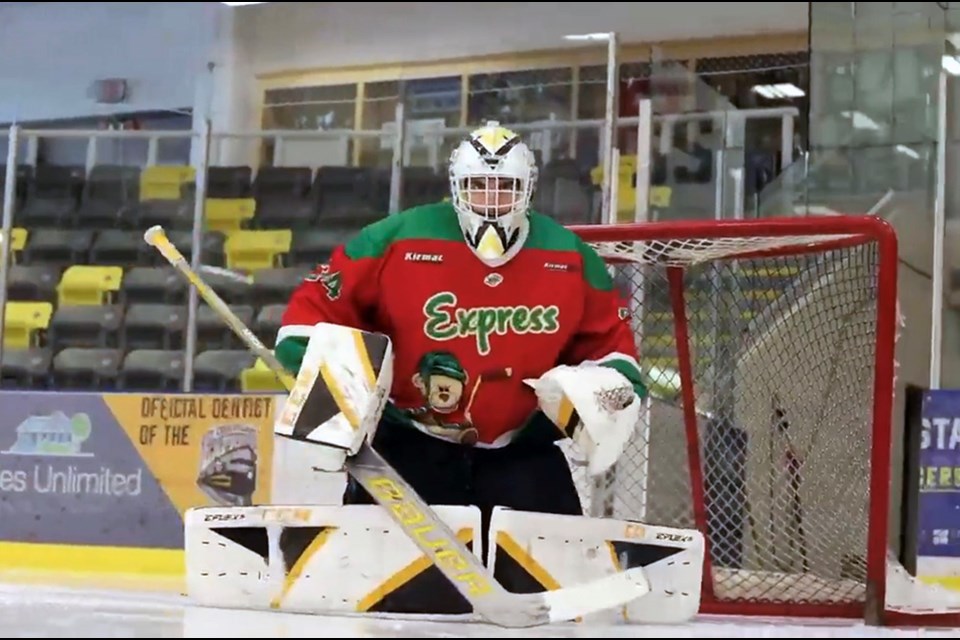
(432, 535)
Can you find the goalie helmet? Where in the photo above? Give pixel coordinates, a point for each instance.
(493, 175)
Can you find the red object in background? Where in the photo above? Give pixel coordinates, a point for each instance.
(631, 92)
(667, 92)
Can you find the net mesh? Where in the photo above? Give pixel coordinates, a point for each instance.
(775, 467)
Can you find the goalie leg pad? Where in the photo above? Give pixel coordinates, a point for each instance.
(340, 392)
(542, 552)
(354, 559)
(318, 559)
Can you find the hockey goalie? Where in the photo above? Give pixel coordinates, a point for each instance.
(463, 340)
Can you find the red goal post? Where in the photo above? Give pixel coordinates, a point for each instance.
(769, 350)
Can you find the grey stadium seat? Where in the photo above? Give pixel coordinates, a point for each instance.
(268, 323)
(26, 368)
(213, 332)
(154, 326)
(218, 370)
(152, 370)
(36, 282)
(153, 284)
(87, 369)
(91, 326)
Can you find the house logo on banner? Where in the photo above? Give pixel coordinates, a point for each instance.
(52, 440)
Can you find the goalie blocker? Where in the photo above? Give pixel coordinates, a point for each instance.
(355, 560)
(339, 394)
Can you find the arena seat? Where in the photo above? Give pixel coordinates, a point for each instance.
(268, 323)
(258, 378)
(154, 370)
(346, 192)
(108, 193)
(25, 323)
(34, 282)
(228, 214)
(18, 237)
(171, 214)
(89, 284)
(53, 196)
(229, 182)
(211, 248)
(152, 325)
(164, 198)
(310, 247)
(26, 368)
(153, 284)
(213, 332)
(117, 247)
(165, 182)
(228, 287)
(219, 370)
(86, 369)
(274, 286)
(249, 250)
(86, 326)
(284, 198)
(62, 247)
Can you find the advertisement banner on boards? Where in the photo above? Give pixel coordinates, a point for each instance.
(121, 469)
(938, 527)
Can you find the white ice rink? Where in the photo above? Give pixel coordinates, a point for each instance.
(30, 609)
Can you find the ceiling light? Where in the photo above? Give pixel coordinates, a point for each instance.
(781, 91)
(593, 37)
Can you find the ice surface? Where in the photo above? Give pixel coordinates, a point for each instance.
(30, 608)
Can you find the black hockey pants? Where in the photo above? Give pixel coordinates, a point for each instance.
(532, 475)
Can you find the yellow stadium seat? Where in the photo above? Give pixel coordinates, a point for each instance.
(257, 249)
(660, 196)
(87, 284)
(259, 378)
(22, 321)
(19, 236)
(229, 214)
(165, 182)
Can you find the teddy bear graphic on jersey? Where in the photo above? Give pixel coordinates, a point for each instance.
(442, 381)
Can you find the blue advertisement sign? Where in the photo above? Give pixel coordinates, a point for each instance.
(939, 500)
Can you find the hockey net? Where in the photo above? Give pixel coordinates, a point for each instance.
(768, 348)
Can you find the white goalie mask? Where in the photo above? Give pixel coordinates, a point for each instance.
(492, 178)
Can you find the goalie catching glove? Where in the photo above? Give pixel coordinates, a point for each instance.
(595, 406)
(341, 389)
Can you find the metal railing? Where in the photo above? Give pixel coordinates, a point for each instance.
(209, 148)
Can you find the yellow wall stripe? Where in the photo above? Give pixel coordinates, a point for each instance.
(21, 556)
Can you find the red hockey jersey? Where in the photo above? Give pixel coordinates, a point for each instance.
(466, 335)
